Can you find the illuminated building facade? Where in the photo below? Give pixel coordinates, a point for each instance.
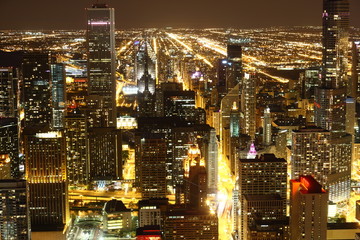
(355, 71)
(46, 176)
(58, 95)
(334, 99)
(101, 62)
(339, 185)
(152, 212)
(149, 233)
(310, 81)
(36, 94)
(152, 167)
(14, 218)
(310, 153)
(262, 207)
(335, 41)
(308, 209)
(212, 163)
(181, 223)
(197, 187)
(104, 146)
(78, 168)
(265, 174)
(145, 60)
(267, 127)
(234, 69)
(116, 217)
(9, 149)
(227, 104)
(248, 105)
(8, 91)
(331, 94)
(314, 152)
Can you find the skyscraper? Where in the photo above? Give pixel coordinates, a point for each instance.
(36, 95)
(9, 148)
(310, 154)
(355, 71)
(234, 70)
(101, 61)
(335, 40)
(265, 174)
(248, 105)
(331, 94)
(8, 92)
(77, 161)
(58, 95)
(14, 218)
(104, 146)
(152, 168)
(46, 176)
(308, 209)
(316, 153)
(267, 127)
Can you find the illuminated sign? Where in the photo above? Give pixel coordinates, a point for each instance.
(130, 90)
(100, 23)
(126, 122)
(49, 135)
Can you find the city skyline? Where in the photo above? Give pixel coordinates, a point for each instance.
(180, 132)
(161, 13)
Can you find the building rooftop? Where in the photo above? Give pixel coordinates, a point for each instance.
(12, 183)
(262, 197)
(115, 206)
(347, 225)
(311, 129)
(266, 157)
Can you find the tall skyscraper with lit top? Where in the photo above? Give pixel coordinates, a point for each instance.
(331, 94)
(101, 63)
(335, 40)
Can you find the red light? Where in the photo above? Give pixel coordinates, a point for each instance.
(148, 237)
(305, 182)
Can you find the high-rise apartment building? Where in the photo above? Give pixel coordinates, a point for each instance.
(310, 153)
(308, 209)
(46, 176)
(248, 105)
(14, 208)
(101, 62)
(328, 159)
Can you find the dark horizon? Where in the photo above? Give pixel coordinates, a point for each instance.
(66, 14)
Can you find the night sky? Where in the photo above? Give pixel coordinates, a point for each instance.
(70, 14)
